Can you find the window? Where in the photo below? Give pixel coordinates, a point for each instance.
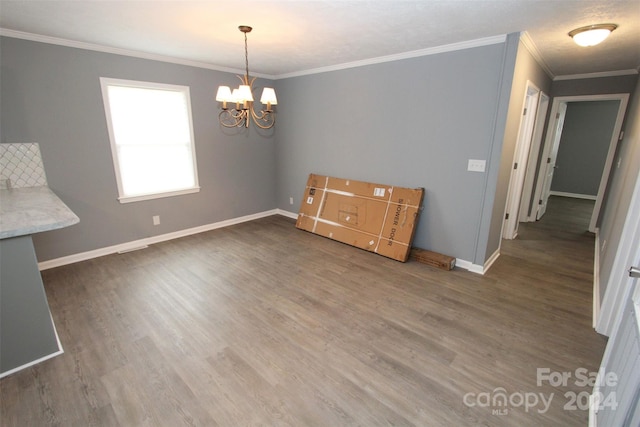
(151, 137)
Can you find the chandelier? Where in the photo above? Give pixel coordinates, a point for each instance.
(242, 97)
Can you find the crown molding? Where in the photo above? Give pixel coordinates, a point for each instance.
(163, 58)
(596, 75)
(526, 40)
(524, 37)
(399, 56)
(119, 51)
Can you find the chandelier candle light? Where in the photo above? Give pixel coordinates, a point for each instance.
(242, 96)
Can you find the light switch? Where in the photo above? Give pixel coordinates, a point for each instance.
(476, 165)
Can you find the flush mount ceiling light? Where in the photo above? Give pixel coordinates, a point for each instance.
(591, 35)
(242, 97)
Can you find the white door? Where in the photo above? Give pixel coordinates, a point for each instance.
(617, 402)
(616, 395)
(520, 160)
(549, 159)
(627, 255)
(528, 210)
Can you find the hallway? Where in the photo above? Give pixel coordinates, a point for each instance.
(559, 241)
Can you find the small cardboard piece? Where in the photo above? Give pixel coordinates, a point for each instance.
(374, 217)
(445, 262)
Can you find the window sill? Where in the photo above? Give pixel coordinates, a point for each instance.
(130, 199)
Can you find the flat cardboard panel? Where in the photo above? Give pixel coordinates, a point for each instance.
(311, 202)
(399, 225)
(354, 212)
(376, 217)
(347, 235)
(393, 249)
(407, 196)
(360, 188)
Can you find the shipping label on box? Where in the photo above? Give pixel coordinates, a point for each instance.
(378, 218)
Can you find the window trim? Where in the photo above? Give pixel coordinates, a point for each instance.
(105, 82)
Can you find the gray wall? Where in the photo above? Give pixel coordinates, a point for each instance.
(524, 69)
(51, 95)
(620, 189)
(583, 148)
(411, 123)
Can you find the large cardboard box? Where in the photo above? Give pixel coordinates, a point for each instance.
(375, 217)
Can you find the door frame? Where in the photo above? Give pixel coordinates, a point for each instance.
(528, 208)
(613, 143)
(627, 253)
(550, 152)
(520, 160)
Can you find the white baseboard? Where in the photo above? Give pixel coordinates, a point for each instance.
(467, 265)
(476, 268)
(137, 244)
(42, 359)
(491, 260)
(141, 243)
(596, 280)
(287, 213)
(573, 195)
(35, 362)
(593, 419)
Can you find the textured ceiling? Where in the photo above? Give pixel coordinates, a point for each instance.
(292, 37)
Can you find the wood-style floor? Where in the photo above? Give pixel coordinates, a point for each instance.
(264, 324)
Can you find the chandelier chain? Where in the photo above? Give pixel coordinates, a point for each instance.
(246, 55)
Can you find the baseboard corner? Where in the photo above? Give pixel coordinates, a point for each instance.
(286, 213)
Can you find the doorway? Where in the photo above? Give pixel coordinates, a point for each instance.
(527, 207)
(520, 160)
(549, 156)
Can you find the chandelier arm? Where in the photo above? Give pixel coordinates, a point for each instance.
(234, 117)
(268, 126)
(266, 117)
(245, 81)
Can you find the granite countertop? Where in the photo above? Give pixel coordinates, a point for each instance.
(32, 210)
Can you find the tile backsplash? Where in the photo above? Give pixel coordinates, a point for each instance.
(21, 166)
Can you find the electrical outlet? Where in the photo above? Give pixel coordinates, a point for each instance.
(290, 200)
(156, 220)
